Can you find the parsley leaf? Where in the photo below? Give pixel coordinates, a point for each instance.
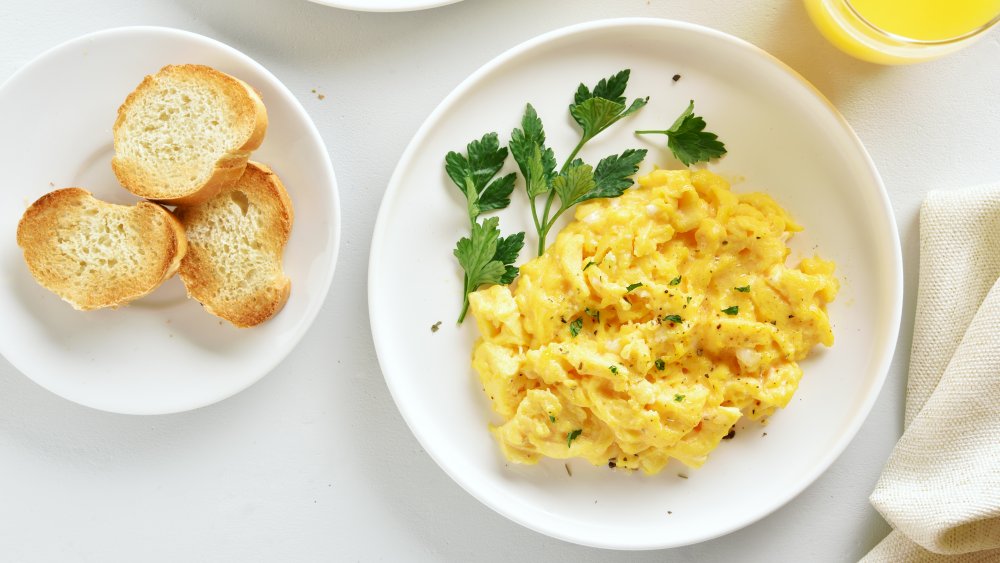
(589, 264)
(486, 257)
(614, 369)
(594, 314)
(597, 110)
(660, 364)
(632, 286)
(473, 172)
(678, 398)
(611, 88)
(688, 140)
(552, 418)
(537, 163)
(731, 310)
(575, 326)
(673, 318)
(580, 182)
(497, 194)
(573, 436)
(675, 281)
(744, 289)
(613, 174)
(507, 251)
(574, 184)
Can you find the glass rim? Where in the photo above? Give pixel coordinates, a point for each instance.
(904, 39)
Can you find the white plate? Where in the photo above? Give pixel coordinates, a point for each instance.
(385, 5)
(162, 353)
(783, 138)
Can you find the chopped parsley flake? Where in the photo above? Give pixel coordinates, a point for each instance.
(660, 364)
(678, 398)
(552, 418)
(673, 318)
(589, 264)
(573, 436)
(596, 315)
(731, 310)
(632, 286)
(614, 369)
(575, 326)
(744, 289)
(675, 281)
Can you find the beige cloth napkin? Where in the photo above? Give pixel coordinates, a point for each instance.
(940, 489)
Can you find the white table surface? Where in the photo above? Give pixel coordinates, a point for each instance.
(314, 462)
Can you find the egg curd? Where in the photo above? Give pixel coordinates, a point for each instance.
(653, 323)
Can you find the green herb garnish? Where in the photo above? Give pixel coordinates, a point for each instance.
(675, 281)
(614, 369)
(673, 318)
(594, 110)
(552, 418)
(660, 364)
(473, 172)
(731, 310)
(678, 398)
(744, 289)
(486, 257)
(688, 140)
(631, 286)
(589, 264)
(596, 315)
(575, 326)
(573, 436)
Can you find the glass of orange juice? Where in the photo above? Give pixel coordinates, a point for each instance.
(903, 31)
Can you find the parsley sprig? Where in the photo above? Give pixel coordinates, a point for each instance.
(688, 140)
(486, 257)
(594, 110)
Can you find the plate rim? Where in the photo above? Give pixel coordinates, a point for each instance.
(334, 212)
(884, 356)
(356, 6)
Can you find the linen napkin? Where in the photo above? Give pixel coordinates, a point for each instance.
(940, 489)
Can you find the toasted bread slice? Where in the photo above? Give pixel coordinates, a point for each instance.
(96, 254)
(237, 239)
(185, 133)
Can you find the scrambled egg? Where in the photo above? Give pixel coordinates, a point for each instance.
(653, 323)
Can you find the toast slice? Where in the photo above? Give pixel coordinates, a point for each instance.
(185, 133)
(234, 263)
(96, 254)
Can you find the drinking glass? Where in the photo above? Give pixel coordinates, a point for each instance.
(903, 31)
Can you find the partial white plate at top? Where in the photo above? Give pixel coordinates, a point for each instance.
(162, 353)
(385, 5)
(783, 138)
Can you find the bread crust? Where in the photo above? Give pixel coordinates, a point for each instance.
(204, 276)
(38, 232)
(228, 168)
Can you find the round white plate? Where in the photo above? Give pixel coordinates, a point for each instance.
(162, 353)
(385, 5)
(783, 138)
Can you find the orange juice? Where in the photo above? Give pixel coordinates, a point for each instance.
(901, 31)
(927, 20)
